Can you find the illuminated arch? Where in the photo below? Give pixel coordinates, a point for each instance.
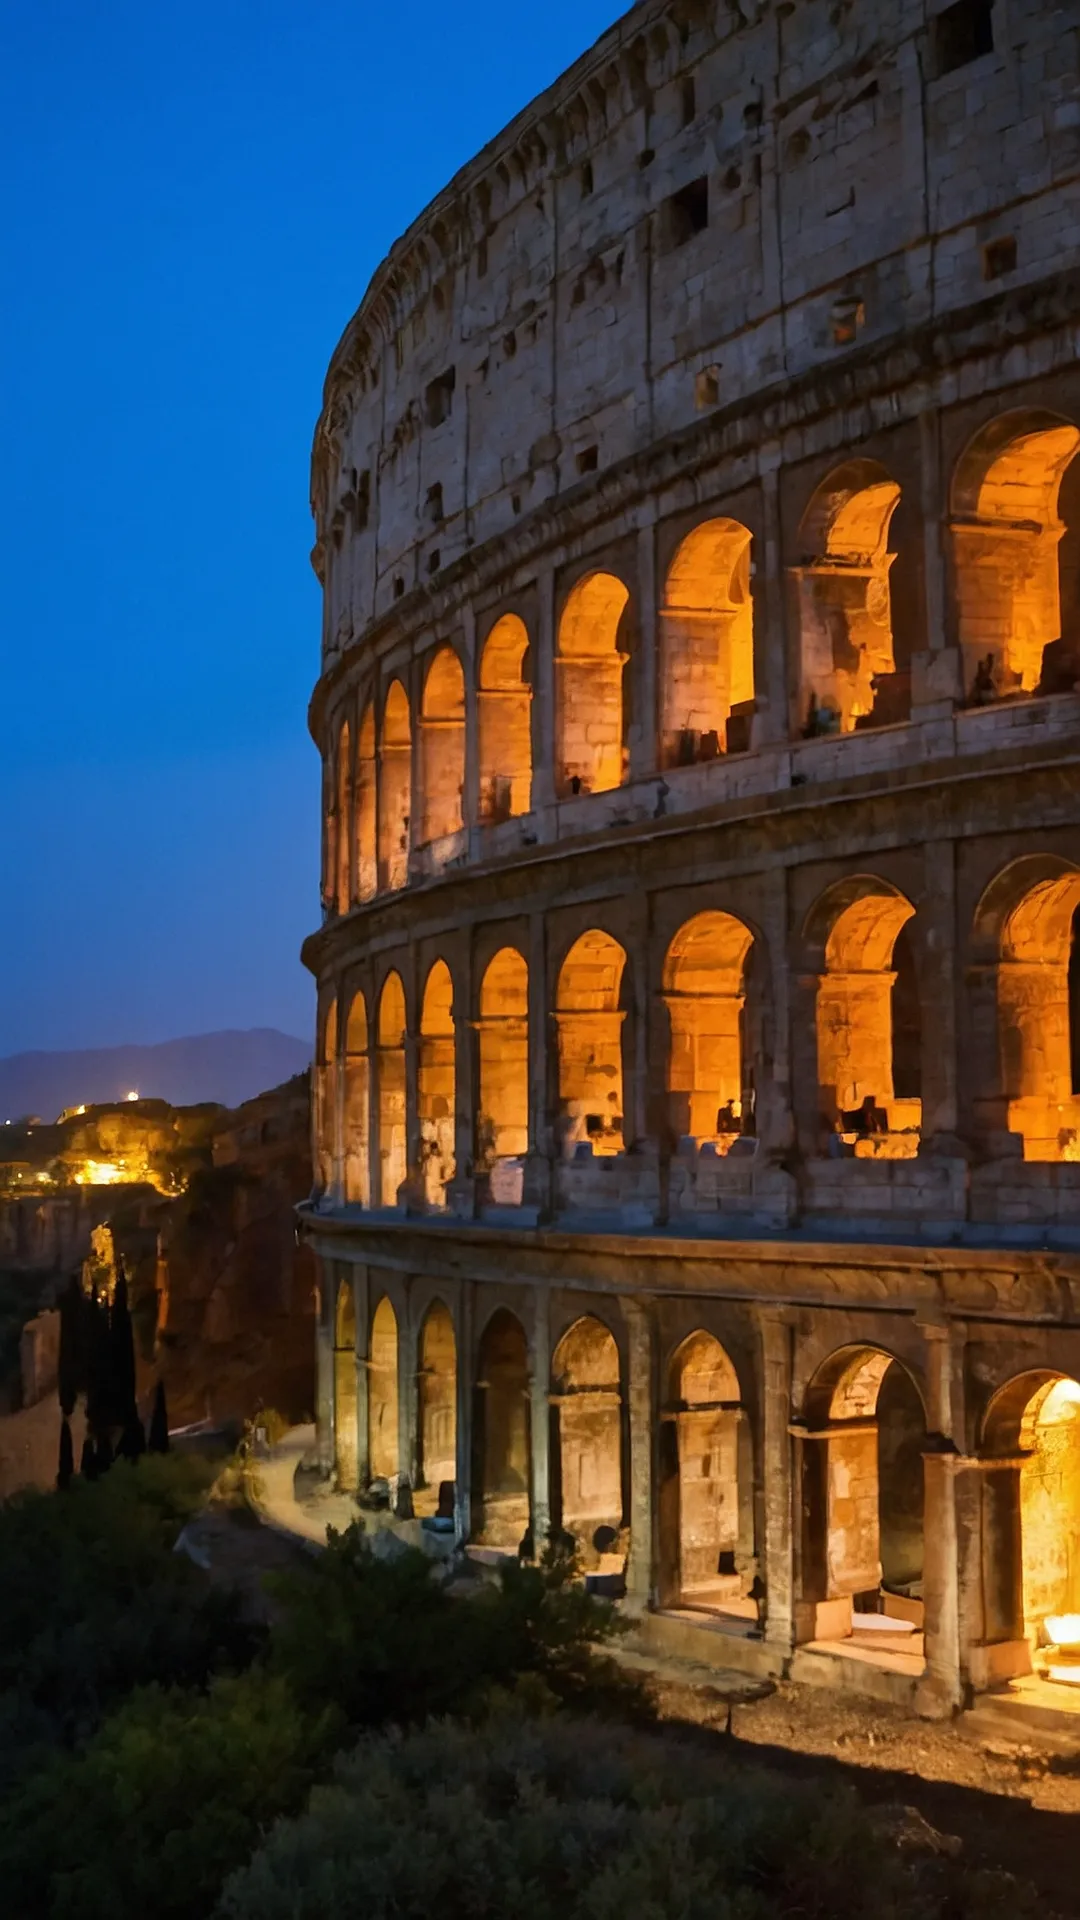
(437, 1083)
(589, 1021)
(862, 1047)
(437, 1409)
(390, 1070)
(442, 742)
(704, 990)
(707, 650)
(357, 1105)
(503, 1125)
(1006, 532)
(586, 1394)
(343, 808)
(710, 1477)
(345, 1399)
(395, 788)
(366, 807)
(845, 607)
(383, 1443)
(1027, 931)
(504, 722)
(590, 751)
(503, 1445)
(325, 1102)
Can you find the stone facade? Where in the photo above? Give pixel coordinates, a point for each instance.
(699, 1002)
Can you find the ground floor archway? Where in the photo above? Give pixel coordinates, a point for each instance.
(346, 1437)
(383, 1393)
(587, 1453)
(1031, 1519)
(707, 1482)
(501, 1435)
(437, 1409)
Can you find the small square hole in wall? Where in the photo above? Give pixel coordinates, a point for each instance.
(707, 388)
(962, 33)
(433, 561)
(689, 101)
(585, 178)
(846, 319)
(998, 257)
(435, 503)
(399, 587)
(588, 459)
(687, 212)
(439, 398)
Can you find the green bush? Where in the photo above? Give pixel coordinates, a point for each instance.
(385, 1641)
(95, 1602)
(166, 1798)
(561, 1820)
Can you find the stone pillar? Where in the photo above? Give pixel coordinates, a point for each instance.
(642, 739)
(636, 1089)
(543, 703)
(938, 998)
(776, 1450)
(362, 1306)
(642, 1409)
(324, 1366)
(408, 1392)
(542, 1096)
(413, 1168)
(461, 1193)
(470, 798)
(540, 1420)
(337, 1189)
(936, 674)
(463, 1414)
(940, 1691)
(772, 718)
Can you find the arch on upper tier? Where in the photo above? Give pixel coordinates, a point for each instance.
(590, 750)
(504, 721)
(442, 748)
(707, 645)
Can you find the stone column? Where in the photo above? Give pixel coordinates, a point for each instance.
(338, 1183)
(324, 1365)
(540, 1420)
(778, 1507)
(463, 1387)
(470, 798)
(940, 1691)
(772, 719)
(408, 1391)
(362, 1308)
(461, 1193)
(641, 1404)
(542, 1096)
(642, 738)
(543, 702)
(938, 998)
(937, 673)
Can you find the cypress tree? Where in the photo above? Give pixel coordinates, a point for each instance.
(70, 1366)
(133, 1438)
(159, 1422)
(66, 1468)
(88, 1460)
(121, 1354)
(99, 1412)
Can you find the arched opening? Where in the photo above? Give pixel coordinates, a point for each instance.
(587, 1404)
(442, 742)
(438, 1414)
(1031, 1522)
(501, 1437)
(848, 656)
(383, 1393)
(346, 1439)
(325, 1102)
(436, 1084)
(590, 754)
(390, 1068)
(863, 987)
(589, 1021)
(395, 784)
(342, 888)
(710, 1085)
(1030, 915)
(707, 653)
(504, 722)
(367, 877)
(503, 1121)
(863, 1504)
(1011, 550)
(707, 1504)
(357, 1106)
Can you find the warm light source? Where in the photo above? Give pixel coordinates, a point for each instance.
(133, 1095)
(1063, 1629)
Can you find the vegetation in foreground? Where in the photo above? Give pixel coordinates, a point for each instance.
(379, 1746)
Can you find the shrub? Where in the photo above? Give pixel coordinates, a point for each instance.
(559, 1820)
(384, 1639)
(167, 1797)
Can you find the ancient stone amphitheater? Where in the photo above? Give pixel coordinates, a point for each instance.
(699, 1007)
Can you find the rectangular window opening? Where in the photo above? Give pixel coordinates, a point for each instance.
(588, 459)
(687, 212)
(439, 398)
(963, 33)
(999, 257)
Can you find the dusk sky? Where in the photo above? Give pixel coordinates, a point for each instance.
(195, 199)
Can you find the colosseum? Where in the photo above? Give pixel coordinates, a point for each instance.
(698, 1064)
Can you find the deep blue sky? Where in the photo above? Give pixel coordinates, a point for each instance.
(194, 198)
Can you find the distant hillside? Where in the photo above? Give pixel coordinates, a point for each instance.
(229, 1067)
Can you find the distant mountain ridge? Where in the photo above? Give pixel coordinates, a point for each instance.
(230, 1067)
